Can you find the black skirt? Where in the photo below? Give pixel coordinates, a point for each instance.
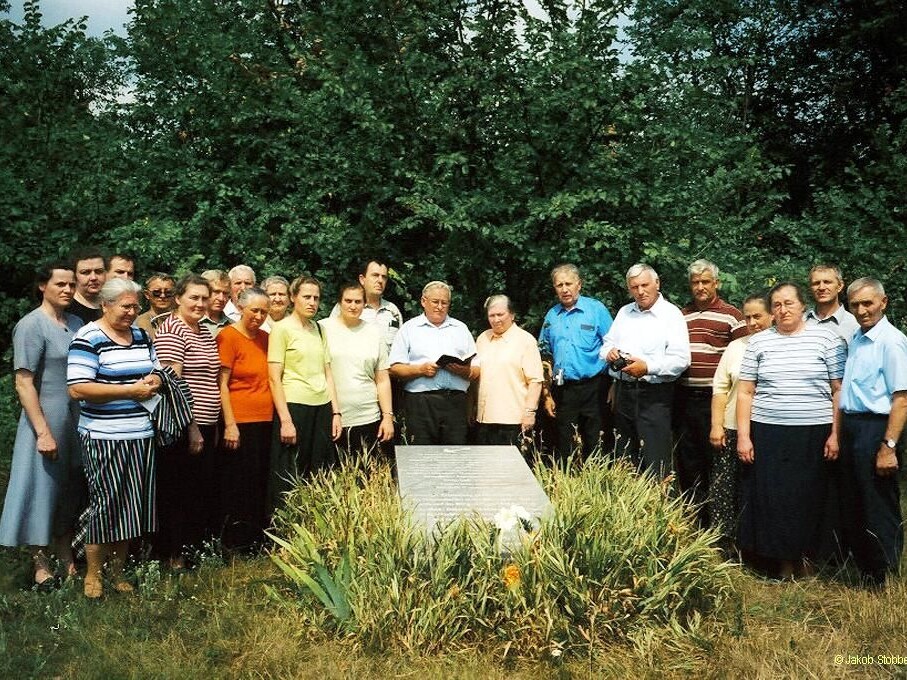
(784, 492)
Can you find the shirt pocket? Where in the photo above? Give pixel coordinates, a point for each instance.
(587, 338)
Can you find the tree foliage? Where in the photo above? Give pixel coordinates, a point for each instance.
(477, 142)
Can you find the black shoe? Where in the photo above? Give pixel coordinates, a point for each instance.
(874, 580)
(48, 585)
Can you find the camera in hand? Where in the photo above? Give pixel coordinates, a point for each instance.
(621, 362)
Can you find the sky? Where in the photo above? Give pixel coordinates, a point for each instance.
(112, 14)
(102, 14)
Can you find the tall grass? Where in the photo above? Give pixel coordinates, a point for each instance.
(616, 555)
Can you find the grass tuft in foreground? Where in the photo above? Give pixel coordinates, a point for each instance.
(616, 556)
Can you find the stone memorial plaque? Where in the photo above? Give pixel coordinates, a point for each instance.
(442, 483)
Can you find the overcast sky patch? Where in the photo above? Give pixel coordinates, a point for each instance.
(103, 15)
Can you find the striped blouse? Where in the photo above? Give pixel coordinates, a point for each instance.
(197, 352)
(94, 357)
(792, 374)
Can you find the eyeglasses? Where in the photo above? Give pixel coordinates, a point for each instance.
(161, 293)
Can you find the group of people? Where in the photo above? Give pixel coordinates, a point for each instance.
(781, 422)
(186, 422)
(189, 421)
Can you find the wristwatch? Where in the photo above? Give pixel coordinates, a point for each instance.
(890, 443)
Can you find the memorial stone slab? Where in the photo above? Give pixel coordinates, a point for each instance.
(442, 483)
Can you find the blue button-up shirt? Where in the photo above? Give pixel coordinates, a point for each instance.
(420, 341)
(876, 369)
(573, 337)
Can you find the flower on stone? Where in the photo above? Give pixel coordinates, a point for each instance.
(511, 576)
(506, 519)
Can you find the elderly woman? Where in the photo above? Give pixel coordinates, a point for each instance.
(248, 411)
(724, 483)
(277, 289)
(302, 386)
(359, 367)
(159, 293)
(109, 372)
(188, 496)
(511, 377)
(45, 483)
(787, 432)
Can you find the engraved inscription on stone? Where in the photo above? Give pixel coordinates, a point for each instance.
(441, 483)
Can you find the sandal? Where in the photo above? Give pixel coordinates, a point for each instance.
(94, 588)
(124, 587)
(46, 585)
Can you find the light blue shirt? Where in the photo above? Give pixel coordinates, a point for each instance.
(420, 341)
(841, 322)
(657, 335)
(876, 369)
(572, 337)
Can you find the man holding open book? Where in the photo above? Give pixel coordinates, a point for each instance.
(434, 355)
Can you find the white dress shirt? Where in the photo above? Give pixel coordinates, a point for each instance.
(657, 335)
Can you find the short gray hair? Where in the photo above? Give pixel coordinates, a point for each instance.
(114, 288)
(248, 293)
(700, 267)
(498, 300)
(271, 280)
(866, 282)
(568, 268)
(826, 267)
(436, 284)
(215, 276)
(242, 269)
(639, 269)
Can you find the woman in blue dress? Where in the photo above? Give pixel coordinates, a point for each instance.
(46, 484)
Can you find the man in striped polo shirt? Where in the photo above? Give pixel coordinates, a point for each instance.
(712, 323)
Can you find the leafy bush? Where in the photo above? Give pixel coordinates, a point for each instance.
(9, 421)
(616, 554)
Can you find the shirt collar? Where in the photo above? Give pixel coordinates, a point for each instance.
(835, 316)
(505, 336)
(581, 304)
(423, 321)
(382, 304)
(224, 320)
(716, 303)
(874, 332)
(654, 309)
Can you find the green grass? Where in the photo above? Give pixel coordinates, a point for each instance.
(244, 619)
(221, 622)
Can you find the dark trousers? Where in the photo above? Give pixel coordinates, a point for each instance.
(497, 434)
(436, 417)
(578, 414)
(313, 451)
(871, 517)
(243, 475)
(642, 417)
(359, 438)
(188, 498)
(694, 454)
